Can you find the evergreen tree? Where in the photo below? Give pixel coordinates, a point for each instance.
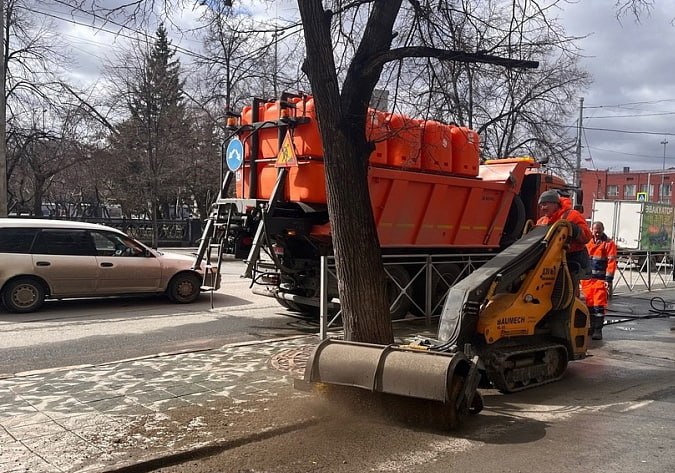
(151, 143)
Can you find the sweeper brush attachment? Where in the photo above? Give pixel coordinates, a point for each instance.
(516, 316)
(416, 386)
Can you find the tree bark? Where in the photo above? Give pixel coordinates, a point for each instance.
(342, 118)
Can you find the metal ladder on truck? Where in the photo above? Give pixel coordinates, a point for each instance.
(213, 238)
(218, 225)
(258, 239)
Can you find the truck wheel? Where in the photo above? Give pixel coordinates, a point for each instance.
(23, 295)
(515, 222)
(303, 309)
(290, 305)
(398, 280)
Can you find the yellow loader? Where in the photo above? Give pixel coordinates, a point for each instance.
(512, 324)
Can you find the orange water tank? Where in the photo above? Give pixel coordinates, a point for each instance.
(465, 151)
(247, 119)
(306, 137)
(436, 146)
(267, 176)
(269, 137)
(296, 106)
(247, 114)
(376, 131)
(307, 182)
(405, 142)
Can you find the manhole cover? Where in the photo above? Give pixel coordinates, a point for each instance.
(292, 360)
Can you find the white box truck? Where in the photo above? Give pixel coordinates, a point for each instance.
(634, 225)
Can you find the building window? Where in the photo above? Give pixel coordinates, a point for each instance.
(613, 191)
(629, 191)
(650, 192)
(666, 192)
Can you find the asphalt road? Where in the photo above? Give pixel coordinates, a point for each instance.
(91, 331)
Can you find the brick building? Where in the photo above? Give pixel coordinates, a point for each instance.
(625, 185)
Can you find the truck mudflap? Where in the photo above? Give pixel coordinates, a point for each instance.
(447, 381)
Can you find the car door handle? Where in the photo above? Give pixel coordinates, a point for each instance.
(106, 265)
(42, 263)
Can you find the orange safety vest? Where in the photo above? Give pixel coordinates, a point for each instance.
(603, 258)
(603, 264)
(575, 218)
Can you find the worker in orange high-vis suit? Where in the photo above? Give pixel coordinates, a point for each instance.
(602, 251)
(553, 207)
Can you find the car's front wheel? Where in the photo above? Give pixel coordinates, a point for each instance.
(23, 295)
(184, 288)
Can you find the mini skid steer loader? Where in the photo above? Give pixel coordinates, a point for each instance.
(512, 324)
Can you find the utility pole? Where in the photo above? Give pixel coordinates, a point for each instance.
(3, 117)
(663, 174)
(577, 169)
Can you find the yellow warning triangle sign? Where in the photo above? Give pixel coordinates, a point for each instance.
(286, 157)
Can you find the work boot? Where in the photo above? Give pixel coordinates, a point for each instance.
(591, 323)
(597, 321)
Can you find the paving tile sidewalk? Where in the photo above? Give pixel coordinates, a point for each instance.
(84, 419)
(88, 418)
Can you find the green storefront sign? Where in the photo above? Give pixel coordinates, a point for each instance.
(656, 232)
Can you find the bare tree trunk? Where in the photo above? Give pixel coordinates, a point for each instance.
(360, 272)
(38, 193)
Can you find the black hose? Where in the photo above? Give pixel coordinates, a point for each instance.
(660, 311)
(656, 312)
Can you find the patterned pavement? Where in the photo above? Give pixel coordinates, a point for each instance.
(92, 418)
(87, 419)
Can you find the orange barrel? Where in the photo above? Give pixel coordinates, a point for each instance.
(465, 151)
(267, 176)
(269, 137)
(436, 146)
(247, 119)
(247, 114)
(296, 106)
(306, 138)
(376, 131)
(405, 142)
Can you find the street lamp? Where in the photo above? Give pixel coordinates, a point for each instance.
(663, 176)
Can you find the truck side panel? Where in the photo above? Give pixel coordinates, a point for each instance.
(429, 210)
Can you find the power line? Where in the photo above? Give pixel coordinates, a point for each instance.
(630, 132)
(621, 105)
(624, 153)
(633, 116)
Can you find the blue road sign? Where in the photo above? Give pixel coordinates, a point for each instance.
(234, 156)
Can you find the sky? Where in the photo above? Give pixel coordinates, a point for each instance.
(628, 112)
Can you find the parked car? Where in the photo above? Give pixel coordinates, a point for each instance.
(61, 259)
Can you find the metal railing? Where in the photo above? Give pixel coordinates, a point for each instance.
(424, 267)
(636, 271)
(643, 271)
(185, 232)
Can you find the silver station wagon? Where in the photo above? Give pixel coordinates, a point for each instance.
(61, 259)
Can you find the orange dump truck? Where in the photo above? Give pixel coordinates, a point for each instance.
(432, 201)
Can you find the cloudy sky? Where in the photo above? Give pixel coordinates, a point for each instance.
(629, 110)
(630, 107)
